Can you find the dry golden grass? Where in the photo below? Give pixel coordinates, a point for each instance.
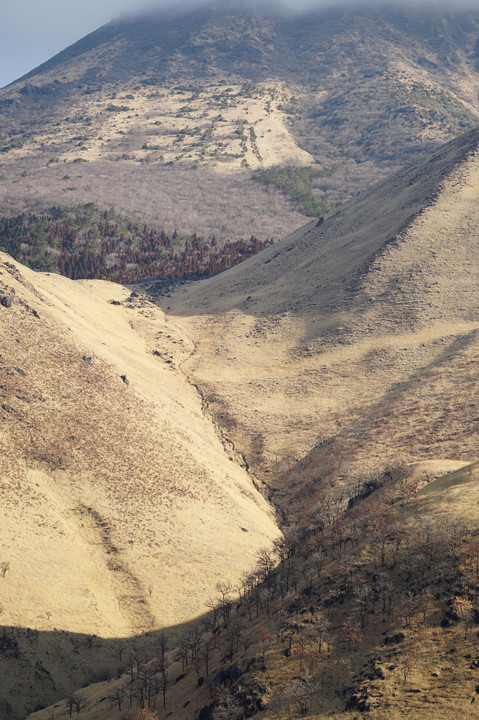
(441, 679)
(353, 343)
(121, 506)
(350, 347)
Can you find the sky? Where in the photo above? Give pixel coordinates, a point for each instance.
(35, 30)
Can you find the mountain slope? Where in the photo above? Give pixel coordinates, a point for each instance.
(181, 108)
(381, 622)
(121, 506)
(351, 343)
(338, 372)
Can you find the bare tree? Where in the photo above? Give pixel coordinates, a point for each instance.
(119, 650)
(162, 645)
(323, 627)
(298, 694)
(4, 567)
(79, 703)
(183, 654)
(264, 640)
(406, 662)
(362, 598)
(70, 702)
(164, 682)
(117, 697)
(225, 589)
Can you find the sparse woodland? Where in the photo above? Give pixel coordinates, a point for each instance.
(370, 605)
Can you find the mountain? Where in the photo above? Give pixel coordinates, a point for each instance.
(179, 110)
(258, 490)
(153, 443)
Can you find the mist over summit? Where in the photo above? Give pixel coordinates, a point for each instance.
(228, 91)
(242, 487)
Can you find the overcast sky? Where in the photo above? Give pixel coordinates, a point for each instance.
(34, 30)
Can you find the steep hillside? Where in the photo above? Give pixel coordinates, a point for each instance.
(180, 109)
(371, 608)
(351, 343)
(144, 430)
(122, 507)
(342, 366)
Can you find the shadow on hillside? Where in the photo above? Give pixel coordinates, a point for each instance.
(40, 668)
(407, 425)
(316, 271)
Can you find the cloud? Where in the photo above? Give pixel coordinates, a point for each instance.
(34, 30)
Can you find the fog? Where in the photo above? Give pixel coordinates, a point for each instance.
(35, 30)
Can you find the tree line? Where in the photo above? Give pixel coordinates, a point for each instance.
(85, 242)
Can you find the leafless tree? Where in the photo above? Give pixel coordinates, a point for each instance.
(117, 697)
(79, 702)
(323, 627)
(162, 645)
(406, 662)
(119, 650)
(298, 694)
(164, 682)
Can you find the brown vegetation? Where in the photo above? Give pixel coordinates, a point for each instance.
(123, 119)
(335, 372)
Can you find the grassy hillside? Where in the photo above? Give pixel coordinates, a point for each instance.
(371, 607)
(120, 479)
(255, 493)
(335, 350)
(334, 372)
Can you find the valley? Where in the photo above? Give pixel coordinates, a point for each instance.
(200, 423)
(239, 321)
